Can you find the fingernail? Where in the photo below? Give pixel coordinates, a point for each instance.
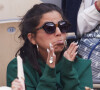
(53, 54)
(73, 42)
(76, 52)
(50, 45)
(77, 42)
(77, 45)
(48, 50)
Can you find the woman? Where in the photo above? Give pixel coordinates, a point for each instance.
(47, 66)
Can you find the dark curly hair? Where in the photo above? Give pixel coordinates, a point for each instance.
(28, 24)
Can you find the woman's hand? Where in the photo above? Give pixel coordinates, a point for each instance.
(18, 85)
(51, 59)
(70, 53)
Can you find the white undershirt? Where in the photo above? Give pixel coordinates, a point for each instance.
(88, 17)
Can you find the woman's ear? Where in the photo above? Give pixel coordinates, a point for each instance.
(31, 38)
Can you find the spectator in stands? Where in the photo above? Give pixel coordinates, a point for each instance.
(47, 64)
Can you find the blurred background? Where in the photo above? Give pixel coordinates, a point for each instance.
(10, 13)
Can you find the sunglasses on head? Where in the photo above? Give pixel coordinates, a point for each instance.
(50, 27)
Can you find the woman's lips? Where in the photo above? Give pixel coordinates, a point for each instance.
(59, 42)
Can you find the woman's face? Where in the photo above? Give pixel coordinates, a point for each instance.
(57, 38)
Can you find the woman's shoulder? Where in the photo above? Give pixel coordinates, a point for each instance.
(79, 59)
(82, 64)
(12, 63)
(14, 60)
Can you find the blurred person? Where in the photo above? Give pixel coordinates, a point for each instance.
(84, 15)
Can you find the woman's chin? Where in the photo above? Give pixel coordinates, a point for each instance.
(59, 50)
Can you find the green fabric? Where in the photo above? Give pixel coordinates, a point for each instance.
(66, 75)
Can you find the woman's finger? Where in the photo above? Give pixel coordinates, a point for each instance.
(51, 56)
(71, 53)
(71, 47)
(16, 81)
(17, 85)
(73, 56)
(74, 49)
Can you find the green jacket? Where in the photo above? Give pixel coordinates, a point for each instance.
(66, 75)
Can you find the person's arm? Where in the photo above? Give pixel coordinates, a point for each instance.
(47, 80)
(69, 76)
(83, 68)
(76, 75)
(88, 19)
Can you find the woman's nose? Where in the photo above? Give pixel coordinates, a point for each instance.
(57, 32)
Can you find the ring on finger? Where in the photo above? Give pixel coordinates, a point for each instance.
(51, 60)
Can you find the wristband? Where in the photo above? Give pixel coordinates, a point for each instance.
(98, 9)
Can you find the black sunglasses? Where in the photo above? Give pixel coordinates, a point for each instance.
(50, 27)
